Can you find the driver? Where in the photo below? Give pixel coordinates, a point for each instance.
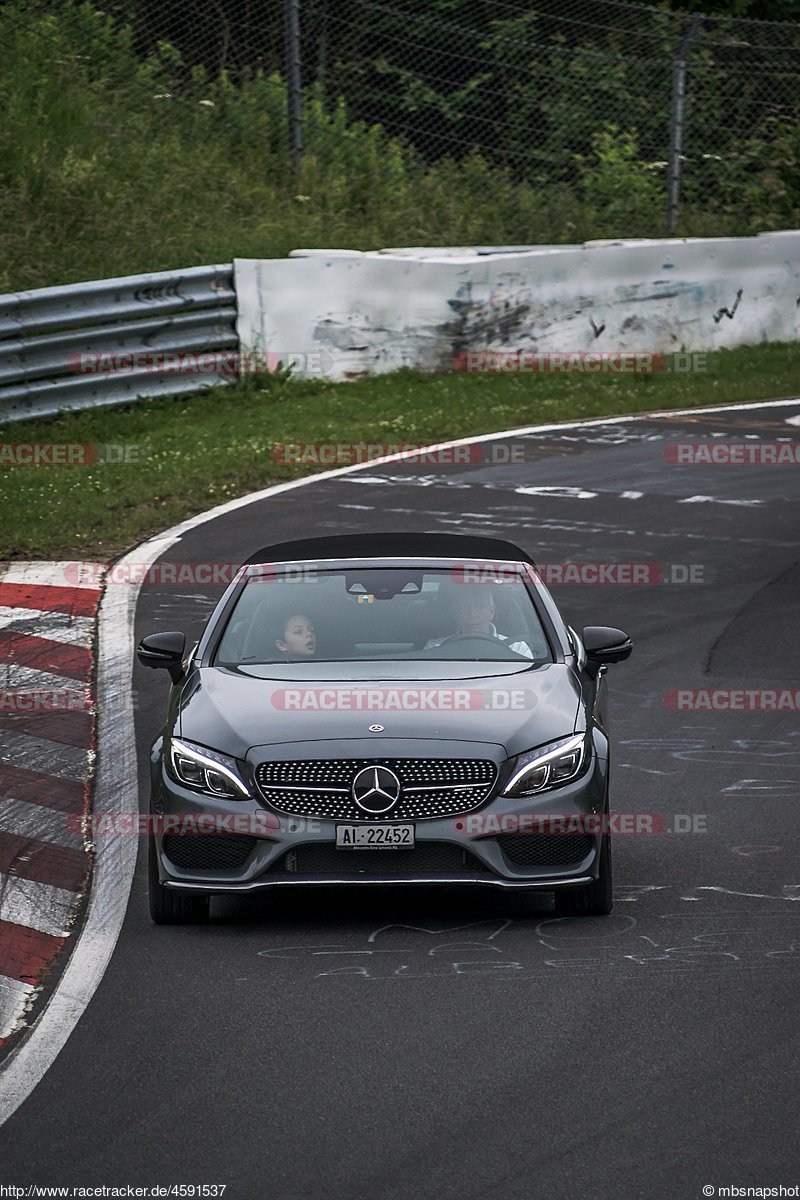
(473, 613)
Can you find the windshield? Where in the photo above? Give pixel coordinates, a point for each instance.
(356, 614)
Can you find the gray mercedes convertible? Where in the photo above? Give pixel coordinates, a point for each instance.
(383, 709)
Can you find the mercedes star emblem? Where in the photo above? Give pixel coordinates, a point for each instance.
(376, 728)
(376, 789)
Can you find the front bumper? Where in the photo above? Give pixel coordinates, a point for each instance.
(289, 853)
(259, 885)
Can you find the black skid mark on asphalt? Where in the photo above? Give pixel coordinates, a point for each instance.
(728, 312)
(596, 329)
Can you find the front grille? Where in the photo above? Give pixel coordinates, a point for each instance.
(208, 851)
(431, 787)
(430, 858)
(546, 849)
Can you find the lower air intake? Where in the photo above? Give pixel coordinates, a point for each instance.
(546, 849)
(208, 851)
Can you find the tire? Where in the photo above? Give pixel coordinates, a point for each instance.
(172, 908)
(594, 900)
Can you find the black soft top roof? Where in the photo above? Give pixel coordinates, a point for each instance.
(455, 546)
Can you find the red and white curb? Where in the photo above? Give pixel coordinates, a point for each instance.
(47, 739)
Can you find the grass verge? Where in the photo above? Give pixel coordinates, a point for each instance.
(198, 451)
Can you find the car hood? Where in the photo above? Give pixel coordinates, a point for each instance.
(235, 711)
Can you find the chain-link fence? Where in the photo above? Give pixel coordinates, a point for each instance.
(251, 126)
(627, 105)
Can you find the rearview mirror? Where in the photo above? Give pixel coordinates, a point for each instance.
(604, 644)
(383, 585)
(163, 650)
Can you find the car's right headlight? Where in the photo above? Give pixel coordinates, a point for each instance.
(206, 770)
(548, 766)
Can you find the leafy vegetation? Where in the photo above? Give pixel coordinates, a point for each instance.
(122, 151)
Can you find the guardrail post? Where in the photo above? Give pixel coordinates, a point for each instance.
(674, 168)
(294, 83)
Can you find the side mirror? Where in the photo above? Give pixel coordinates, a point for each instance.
(163, 650)
(604, 644)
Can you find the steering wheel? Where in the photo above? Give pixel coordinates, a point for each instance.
(481, 637)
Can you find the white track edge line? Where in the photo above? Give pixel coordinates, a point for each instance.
(116, 787)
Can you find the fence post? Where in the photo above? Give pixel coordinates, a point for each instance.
(294, 83)
(677, 123)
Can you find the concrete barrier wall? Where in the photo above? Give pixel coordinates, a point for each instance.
(344, 314)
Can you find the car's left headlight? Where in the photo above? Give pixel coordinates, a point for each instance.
(548, 766)
(207, 770)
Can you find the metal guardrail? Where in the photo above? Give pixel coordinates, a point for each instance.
(43, 333)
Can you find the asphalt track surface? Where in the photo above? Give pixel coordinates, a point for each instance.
(466, 1045)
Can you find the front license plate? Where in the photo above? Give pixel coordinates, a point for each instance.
(374, 837)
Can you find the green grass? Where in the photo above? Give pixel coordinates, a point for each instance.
(196, 452)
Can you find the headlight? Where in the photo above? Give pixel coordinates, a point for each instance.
(207, 770)
(548, 767)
